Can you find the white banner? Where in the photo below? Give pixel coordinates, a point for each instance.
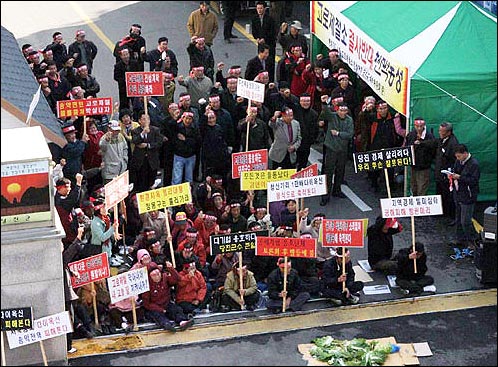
(297, 188)
(45, 328)
(253, 91)
(417, 206)
(129, 284)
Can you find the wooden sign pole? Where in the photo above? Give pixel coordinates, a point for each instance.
(44, 355)
(284, 299)
(134, 312)
(248, 124)
(94, 299)
(344, 267)
(168, 235)
(241, 281)
(387, 183)
(84, 125)
(146, 107)
(4, 361)
(413, 244)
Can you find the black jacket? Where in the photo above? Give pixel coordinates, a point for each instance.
(423, 153)
(308, 121)
(380, 244)
(276, 283)
(151, 153)
(405, 265)
(332, 270)
(254, 67)
(468, 183)
(91, 53)
(268, 31)
(188, 147)
(156, 62)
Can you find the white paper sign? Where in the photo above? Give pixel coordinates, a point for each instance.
(297, 188)
(45, 328)
(417, 206)
(376, 289)
(129, 284)
(253, 91)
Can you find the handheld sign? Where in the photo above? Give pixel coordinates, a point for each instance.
(416, 206)
(254, 160)
(84, 107)
(297, 188)
(44, 328)
(128, 284)
(258, 180)
(384, 158)
(342, 233)
(253, 91)
(233, 242)
(310, 171)
(116, 190)
(89, 270)
(19, 318)
(282, 246)
(164, 197)
(144, 83)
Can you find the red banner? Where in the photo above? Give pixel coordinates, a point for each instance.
(342, 233)
(254, 160)
(310, 171)
(281, 246)
(90, 270)
(144, 83)
(84, 107)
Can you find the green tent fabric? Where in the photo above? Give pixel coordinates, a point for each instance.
(450, 49)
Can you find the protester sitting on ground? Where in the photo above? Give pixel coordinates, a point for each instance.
(233, 218)
(294, 297)
(185, 256)
(156, 220)
(410, 282)
(380, 244)
(323, 253)
(157, 302)
(147, 233)
(307, 269)
(179, 228)
(206, 225)
(156, 252)
(102, 230)
(333, 279)
(101, 293)
(288, 215)
(143, 259)
(261, 218)
(220, 267)
(194, 239)
(191, 290)
(235, 298)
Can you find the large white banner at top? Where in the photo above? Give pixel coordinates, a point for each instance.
(386, 76)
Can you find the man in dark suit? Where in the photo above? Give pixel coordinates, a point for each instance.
(258, 63)
(145, 159)
(264, 31)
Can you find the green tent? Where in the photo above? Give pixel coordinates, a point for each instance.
(449, 48)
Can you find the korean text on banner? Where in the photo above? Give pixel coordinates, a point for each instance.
(282, 246)
(310, 171)
(254, 160)
(144, 83)
(253, 91)
(17, 318)
(44, 328)
(116, 190)
(297, 188)
(387, 77)
(84, 107)
(233, 242)
(343, 232)
(90, 269)
(258, 180)
(417, 206)
(164, 197)
(384, 158)
(128, 284)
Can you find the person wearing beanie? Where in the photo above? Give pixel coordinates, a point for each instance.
(158, 302)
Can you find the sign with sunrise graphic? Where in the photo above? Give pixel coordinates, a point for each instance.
(25, 193)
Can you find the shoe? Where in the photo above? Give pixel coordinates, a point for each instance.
(405, 292)
(324, 201)
(275, 310)
(115, 263)
(169, 327)
(184, 325)
(225, 308)
(234, 36)
(335, 301)
(458, 254)
(251, 307)
(228, 40)
(72, 350)
(339, 194)
(88, 334)
(353, 299)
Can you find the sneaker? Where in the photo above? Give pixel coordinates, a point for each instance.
(353, 299)
(115, 263)
(335, 301)
(72, 350)
(184, 325)
(169, 327)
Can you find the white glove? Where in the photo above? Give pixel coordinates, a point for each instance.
(202, 101)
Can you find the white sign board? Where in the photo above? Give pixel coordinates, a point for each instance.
(417, 206)
(116, 190)
(45, 328)
(297, 188)
(253, 91)
(129, 284)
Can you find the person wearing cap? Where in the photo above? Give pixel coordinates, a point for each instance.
(157, 57)
(287, 139)
(259, 136)
(158, 302)
(191, 290)
(114, 152)
(339, 130)
(421, 170)
(235, 297)
(258, 63)
(381, 244)
(308, 122)
(332, 280)
(58, 48)
(197, 84)
(412, 283)
(82, 50)
(86, 81)
(123, 65)
(203, 23)
(293, 38)
(179, 228)
(295, 298)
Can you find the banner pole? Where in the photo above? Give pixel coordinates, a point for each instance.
(284, 299)
(84, 125)
(168, 235)
(387, 183)
(44, 355)
(241, 281)
(344, 267)
(94, 301)
(4, 361)
(413, 244)
(247, 128)
(134, 312)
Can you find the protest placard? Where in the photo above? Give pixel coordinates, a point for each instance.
(254, 160)
(144, 83)
(309, 171)
(297, 188)
(282, 246)
(17, 318)
(253, 91)
(44, 328)
(128, 284)
(258, 180)
(164, 197)
(116, 190)
(89, 270)
(416, 206)
(384, 158)
(233, 242)
(84, 107)
(343, 232)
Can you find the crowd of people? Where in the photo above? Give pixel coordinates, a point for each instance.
(191, 139)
